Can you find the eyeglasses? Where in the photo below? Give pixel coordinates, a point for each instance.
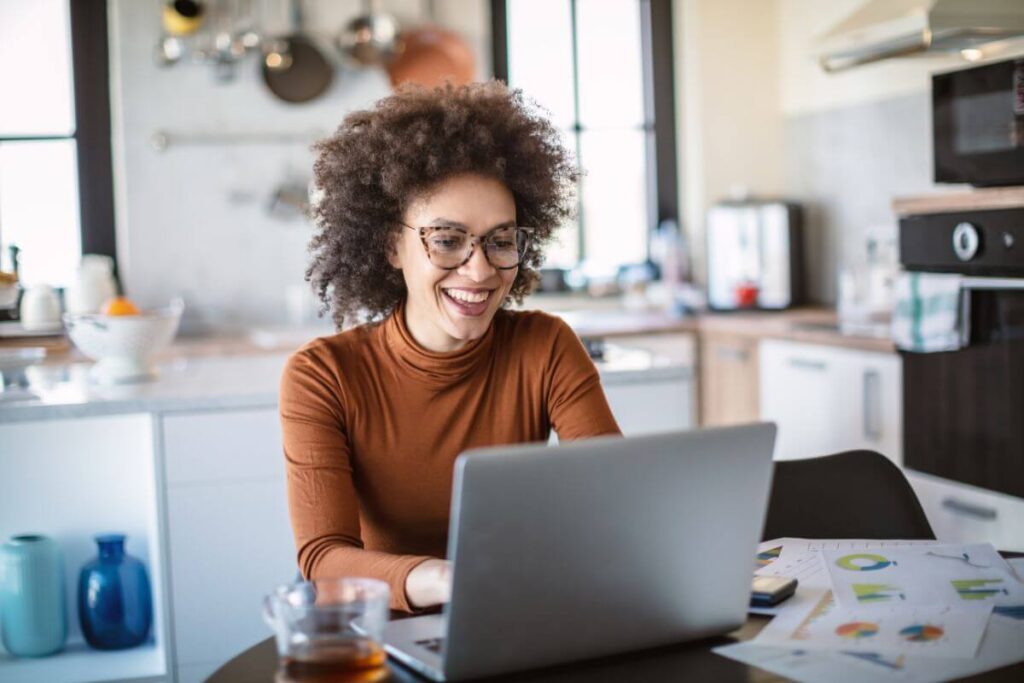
(449, 247)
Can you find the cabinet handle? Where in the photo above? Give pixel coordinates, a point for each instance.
(726, 353)
(804, 364)
(872, 405)
(969, 509)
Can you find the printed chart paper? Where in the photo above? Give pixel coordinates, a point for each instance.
(1002, 645)
(800, 558)
(936, 631)
(961, 576)
(867, 601)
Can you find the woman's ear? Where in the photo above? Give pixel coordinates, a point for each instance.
(394, 249)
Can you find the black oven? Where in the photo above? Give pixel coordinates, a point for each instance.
(963, 410)
(978, 124)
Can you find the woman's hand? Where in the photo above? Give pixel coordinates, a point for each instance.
(429, 583)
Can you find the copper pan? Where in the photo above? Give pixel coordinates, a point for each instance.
(432, 55)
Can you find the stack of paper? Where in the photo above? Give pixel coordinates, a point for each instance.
(887, 610)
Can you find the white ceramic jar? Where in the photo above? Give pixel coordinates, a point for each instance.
(40, 308)
(93, 285)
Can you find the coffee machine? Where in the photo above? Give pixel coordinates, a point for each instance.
(754, 255)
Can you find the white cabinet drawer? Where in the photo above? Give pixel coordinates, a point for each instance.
(222, 446)
(960, 513)
(652, 407)
(827, 399)
(231, 544)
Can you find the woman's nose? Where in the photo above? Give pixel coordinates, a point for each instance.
(478, 268)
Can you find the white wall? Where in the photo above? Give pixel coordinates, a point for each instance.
(730, 130)
(191, 219)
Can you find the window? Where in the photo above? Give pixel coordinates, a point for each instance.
(603, 69)
(56, 197)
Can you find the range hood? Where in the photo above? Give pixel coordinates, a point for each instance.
(882, 29)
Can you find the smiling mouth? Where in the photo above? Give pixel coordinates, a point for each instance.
(469, 296)
(469, 302)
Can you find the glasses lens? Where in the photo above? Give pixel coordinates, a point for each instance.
(505, 248)
(447, 247)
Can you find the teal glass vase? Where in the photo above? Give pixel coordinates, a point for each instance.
(33, 616)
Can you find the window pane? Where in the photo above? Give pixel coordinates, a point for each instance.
(610, 63)
(614, 197)
(35, 68)
(39, 208)
(540, 55)
(563, 251)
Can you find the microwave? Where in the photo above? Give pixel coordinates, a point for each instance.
(978, 124)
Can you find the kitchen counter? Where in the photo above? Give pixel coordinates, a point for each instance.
(218, 382)
(808, 325)
(603, 318)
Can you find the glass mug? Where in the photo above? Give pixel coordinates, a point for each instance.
(329, 625)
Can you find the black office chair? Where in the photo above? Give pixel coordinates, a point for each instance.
(855, 494)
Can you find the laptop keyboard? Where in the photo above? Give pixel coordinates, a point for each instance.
(432, 644)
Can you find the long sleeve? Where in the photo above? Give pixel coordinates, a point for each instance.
(576, 402)
(322, 499)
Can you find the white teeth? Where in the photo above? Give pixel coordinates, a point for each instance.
(467, 296)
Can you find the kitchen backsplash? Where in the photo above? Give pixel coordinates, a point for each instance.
(846, 165)
(193, 219)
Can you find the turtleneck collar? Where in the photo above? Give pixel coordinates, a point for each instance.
(441, 369)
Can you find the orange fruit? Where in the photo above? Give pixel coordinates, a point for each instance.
(120, 305)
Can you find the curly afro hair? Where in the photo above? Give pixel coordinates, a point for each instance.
(382, 159)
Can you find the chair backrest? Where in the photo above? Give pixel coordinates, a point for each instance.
(855, 494)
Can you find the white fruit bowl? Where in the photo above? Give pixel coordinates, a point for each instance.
(123, 345)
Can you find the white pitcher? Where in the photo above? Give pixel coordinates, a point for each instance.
(93, 285)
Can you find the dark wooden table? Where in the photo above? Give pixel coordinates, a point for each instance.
(690, 661)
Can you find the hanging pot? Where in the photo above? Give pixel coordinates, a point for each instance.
(370, 39)
(432, 55)
(183, 17)
(293, 67)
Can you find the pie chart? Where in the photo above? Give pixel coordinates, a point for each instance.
(857, 629)
(921, 633)
(863, 562)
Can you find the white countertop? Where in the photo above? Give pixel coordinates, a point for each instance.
(219, 382)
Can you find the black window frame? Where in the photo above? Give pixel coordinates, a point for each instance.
(659, 102)
(91, 94)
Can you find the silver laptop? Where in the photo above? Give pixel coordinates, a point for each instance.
(594, 548)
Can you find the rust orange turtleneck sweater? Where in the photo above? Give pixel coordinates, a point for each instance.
(372, 424)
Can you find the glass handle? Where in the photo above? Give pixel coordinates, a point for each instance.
(268, 612)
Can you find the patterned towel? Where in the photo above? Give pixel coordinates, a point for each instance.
(932, 313)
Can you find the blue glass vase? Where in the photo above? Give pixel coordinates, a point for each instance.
(115, 605)
(33, 620)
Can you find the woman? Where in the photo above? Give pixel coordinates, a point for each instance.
(435, 206)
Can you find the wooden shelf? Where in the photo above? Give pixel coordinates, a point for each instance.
(79, 663)
(972, 200)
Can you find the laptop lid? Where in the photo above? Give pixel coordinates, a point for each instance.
(602, 546)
